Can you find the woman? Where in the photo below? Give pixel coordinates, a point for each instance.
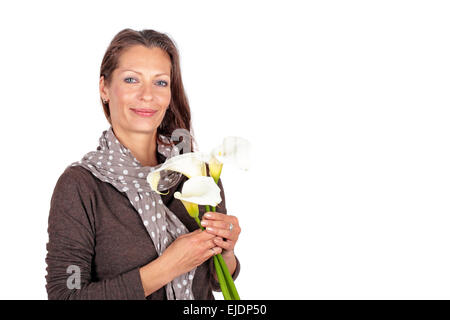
(110, 235)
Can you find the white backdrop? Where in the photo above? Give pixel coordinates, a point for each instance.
(346, 104)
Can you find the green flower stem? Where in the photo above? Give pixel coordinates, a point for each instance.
(207, 208)
(228, 278)
(222, 281)
(223, 274)
(199, 223)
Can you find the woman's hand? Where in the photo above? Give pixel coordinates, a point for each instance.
(218, 224)
(189, 251)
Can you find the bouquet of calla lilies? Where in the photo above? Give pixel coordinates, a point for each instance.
(201, 189)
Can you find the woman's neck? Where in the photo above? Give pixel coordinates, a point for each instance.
(142, 145)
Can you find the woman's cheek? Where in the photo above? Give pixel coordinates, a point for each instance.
(164, 97)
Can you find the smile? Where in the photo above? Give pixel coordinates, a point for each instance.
(144, 112)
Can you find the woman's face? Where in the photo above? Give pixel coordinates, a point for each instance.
(141, 81)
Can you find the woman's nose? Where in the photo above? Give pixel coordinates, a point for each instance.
(147, 92)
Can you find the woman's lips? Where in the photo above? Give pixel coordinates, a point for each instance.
(144, 112)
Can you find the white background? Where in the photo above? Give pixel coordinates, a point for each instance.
(346, 104)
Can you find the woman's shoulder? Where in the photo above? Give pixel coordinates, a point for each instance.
(71, 203)
(74, 178)
(77, 173)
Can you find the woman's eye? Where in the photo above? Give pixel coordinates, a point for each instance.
(164, 83)
(129, 81)
(133, 80)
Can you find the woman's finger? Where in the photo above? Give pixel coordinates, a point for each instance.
(215, 215)
(210, 244)
(216, 224)
(220, 232)
(205, 235)
(227, 245)
(214, 251)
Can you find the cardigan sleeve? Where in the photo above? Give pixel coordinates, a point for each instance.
(222, 209)
(71, 248)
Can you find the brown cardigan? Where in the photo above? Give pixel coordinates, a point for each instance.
(94, 226)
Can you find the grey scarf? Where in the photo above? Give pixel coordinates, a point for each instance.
(115, 164)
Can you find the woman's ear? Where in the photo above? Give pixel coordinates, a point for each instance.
(104, 93)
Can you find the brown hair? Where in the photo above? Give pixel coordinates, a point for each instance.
(178, 114)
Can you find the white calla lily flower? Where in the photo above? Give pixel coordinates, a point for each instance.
(189, 164)
(235, 150)
(200, 190)
(215, 168)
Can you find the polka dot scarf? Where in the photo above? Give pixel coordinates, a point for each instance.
(115, 164)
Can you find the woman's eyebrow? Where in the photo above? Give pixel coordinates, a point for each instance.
(158, 74)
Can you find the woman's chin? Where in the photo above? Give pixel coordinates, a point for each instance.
(143, 127)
